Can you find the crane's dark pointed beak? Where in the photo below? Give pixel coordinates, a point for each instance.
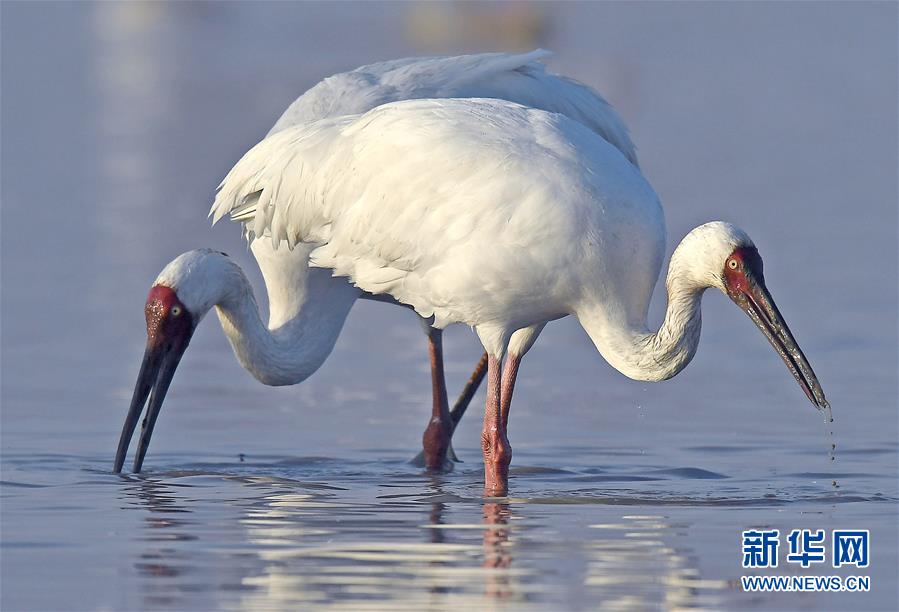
(752, 296)
(167, 338)
(156, 373)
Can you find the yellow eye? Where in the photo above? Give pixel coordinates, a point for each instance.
(176, 310)
(732, 264)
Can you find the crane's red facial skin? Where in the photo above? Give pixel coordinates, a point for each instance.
(167, 318)
(742, 267)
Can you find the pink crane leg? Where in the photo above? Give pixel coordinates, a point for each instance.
(510, 373)
(494, 442)
(438, 433)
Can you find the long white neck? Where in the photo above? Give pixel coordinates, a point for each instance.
(639, 353)
(308, 308)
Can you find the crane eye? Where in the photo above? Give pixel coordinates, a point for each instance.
(732, 264)
(176, 310)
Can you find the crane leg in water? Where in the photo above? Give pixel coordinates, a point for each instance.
(494, 440)
(436, 438)
(458, 410)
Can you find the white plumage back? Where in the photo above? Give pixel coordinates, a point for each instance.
(466, 209)
(515, 77)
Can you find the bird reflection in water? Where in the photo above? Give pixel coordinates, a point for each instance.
(163, 565)
(497, 550)
(288, 544)
(496, 547)
(437, 536)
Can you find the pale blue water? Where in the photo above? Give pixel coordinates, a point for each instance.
(119, 120)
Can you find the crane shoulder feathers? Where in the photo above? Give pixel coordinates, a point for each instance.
(517, 78)
(415, 198)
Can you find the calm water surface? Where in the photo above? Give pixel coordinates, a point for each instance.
(119, 120)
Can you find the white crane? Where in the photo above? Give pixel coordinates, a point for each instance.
(301, 299)
(498, 216)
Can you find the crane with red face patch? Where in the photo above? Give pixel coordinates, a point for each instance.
(498, 216)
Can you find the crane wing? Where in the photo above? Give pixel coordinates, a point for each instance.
(517, 78)
(428, 200)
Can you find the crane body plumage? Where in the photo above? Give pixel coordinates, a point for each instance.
(307, 306)
(517, 78)
(468, 228)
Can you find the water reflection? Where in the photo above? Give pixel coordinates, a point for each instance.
(497, 553)
(163, 561)
(632, 567)
(372, 563)
(290, 543)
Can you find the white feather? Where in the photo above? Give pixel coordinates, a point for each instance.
(454, 206)
(515, 77)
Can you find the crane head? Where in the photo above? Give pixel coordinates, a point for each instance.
(182, 294)
(744, 283)
(721, 255)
